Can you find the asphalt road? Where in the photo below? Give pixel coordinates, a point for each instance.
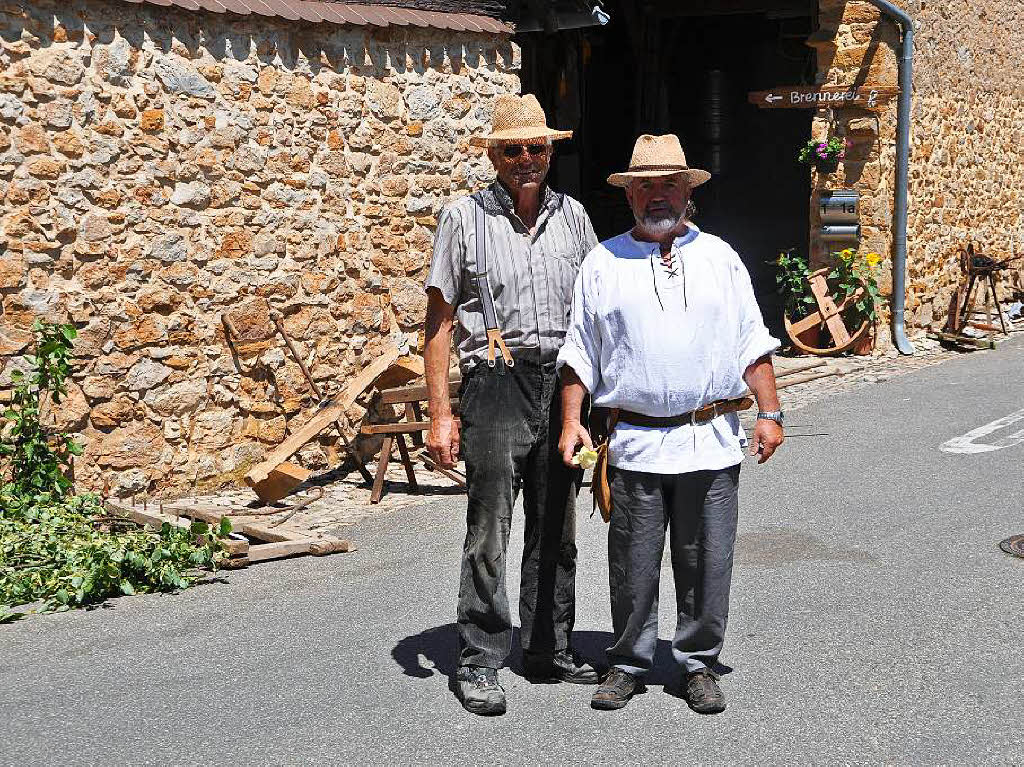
(874, 620)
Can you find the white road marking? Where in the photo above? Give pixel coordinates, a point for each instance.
(967, 443)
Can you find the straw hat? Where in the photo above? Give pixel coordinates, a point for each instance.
(658, 156)
(517, 119)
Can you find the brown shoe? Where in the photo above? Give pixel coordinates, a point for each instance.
(703, 693)
(615, 690)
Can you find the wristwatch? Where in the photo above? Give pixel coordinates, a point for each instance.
(772, 415)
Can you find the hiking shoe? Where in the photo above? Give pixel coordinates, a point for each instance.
(563, 666)
(478, 689)
(616, 689)
(703, 693)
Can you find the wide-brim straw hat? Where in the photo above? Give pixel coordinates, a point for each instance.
(659, 156)
(518, 119)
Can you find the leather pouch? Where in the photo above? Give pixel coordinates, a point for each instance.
(600, 488)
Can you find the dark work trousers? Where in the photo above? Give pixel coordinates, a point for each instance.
(700, 510)
(511, 422)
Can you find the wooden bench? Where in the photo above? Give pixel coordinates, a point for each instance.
(413, 397)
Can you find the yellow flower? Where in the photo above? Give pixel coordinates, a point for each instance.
(873, 259)
(585, 458)
(847, 254)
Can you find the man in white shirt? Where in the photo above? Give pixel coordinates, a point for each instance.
(666, 334)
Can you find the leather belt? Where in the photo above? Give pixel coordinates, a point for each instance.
(702, 415)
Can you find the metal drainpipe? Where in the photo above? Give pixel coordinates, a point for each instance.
(899, 260)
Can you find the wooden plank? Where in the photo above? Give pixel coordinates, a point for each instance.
(783, 369)
(264, 551)
(155, 519)
(414, 393)
(283, 540)
(799, 379)
(956, 338)
(252, 526)
(828, 310)
(398, 427)
(403, 371)
(327, 415)
(316, 546)
(817, 318)
(281, 480)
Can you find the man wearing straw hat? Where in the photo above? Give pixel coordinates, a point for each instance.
(501, 278)
(666, 337)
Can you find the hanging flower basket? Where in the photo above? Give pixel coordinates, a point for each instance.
(824, 155)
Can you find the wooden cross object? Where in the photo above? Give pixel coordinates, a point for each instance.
(828, 313)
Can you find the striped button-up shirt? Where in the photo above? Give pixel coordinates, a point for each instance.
(531, 275)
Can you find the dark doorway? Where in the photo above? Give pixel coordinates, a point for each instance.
(655, 70)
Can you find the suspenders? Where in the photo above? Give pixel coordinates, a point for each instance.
(483, 289)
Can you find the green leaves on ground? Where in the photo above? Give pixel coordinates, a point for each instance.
(65, 551)
(69, 553)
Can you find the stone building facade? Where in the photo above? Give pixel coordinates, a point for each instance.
(967, 137)
(160, 167)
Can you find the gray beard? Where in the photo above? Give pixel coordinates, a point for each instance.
(657, 227)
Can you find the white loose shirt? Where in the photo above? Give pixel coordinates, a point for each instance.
(665, 340)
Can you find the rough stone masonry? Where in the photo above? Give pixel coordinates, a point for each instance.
(159, 168)
(967, 136)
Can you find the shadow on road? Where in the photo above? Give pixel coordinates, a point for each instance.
(433, 651)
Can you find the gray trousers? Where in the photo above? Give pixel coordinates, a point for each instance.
(700, 510)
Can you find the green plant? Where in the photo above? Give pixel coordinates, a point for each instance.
(850, 272)
(39, 458)
(791, 278)
(823, 154)
(67, 552)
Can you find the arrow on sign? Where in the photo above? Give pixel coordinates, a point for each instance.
(821, 96)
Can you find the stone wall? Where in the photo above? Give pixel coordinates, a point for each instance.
(159, 168)
(967, 136)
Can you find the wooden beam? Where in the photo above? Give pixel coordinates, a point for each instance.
(398, 427)
(155, 519)
(414, 393)
(327, 415)
(828, 310)
(279, 550)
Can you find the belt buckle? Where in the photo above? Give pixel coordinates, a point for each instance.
(694, 421)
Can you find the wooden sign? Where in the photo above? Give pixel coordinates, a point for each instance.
(822, 96)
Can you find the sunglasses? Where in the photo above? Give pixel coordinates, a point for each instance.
(512, 151)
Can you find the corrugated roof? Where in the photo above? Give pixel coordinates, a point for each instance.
(319, 11)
